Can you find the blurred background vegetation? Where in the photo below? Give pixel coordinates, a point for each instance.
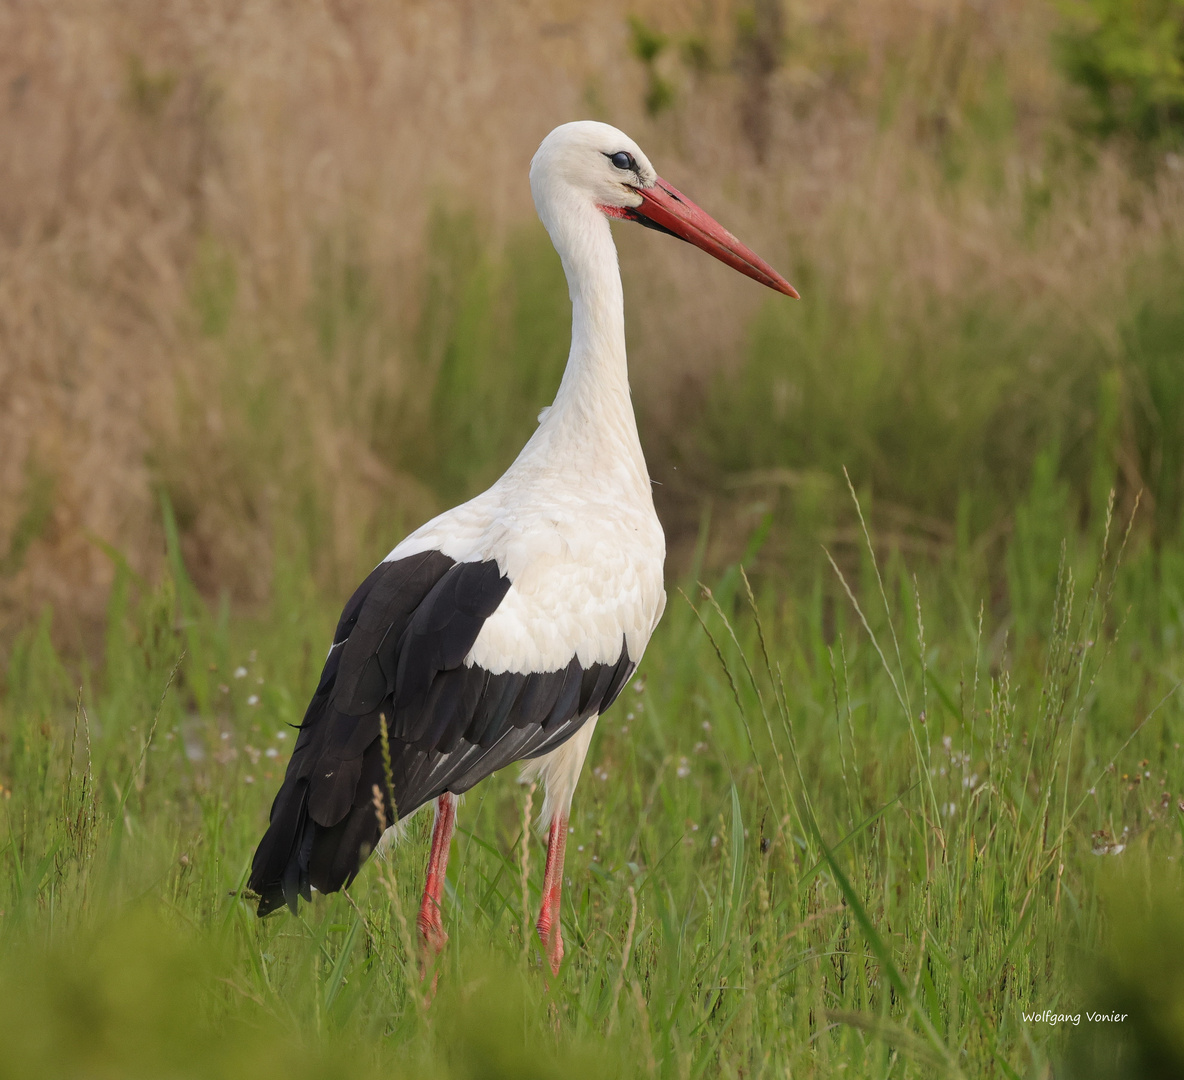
(272, 292)
(282, 267)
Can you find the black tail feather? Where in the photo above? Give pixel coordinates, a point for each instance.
(298, 854)
(277, 857)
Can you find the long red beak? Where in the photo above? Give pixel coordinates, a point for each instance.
(666, 208)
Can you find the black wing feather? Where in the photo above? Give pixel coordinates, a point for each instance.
(398, 653)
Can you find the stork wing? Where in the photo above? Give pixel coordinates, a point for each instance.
(398, 654)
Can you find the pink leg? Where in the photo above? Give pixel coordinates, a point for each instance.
(548, 924)
(431, 926)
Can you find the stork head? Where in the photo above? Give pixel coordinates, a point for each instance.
(588, 165)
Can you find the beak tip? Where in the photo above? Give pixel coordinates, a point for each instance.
(667, 209)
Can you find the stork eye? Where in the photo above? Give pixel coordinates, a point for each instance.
(623, 161)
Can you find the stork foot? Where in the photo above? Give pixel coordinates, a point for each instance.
(548, 924)
(432, 939)
(552, 939)
(429, 922)
(432, 935)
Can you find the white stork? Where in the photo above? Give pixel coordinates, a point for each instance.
(502, 629)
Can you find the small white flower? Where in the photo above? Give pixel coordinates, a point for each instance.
(683, 770)
(248, 779)
(240, 672)
(281, 734)
(271, 751)
(253, 699)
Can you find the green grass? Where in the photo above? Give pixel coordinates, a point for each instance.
(946, 409)
(1128, 59)
(853, 834)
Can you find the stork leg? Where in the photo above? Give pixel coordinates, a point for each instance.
(431, 927)
(548, 924)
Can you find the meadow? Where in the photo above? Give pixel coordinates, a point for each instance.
(819, 835)
(900, 775)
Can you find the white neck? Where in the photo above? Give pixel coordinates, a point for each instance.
(597, 373)
(591, 424)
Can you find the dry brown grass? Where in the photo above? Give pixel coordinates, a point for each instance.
(141, 142)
